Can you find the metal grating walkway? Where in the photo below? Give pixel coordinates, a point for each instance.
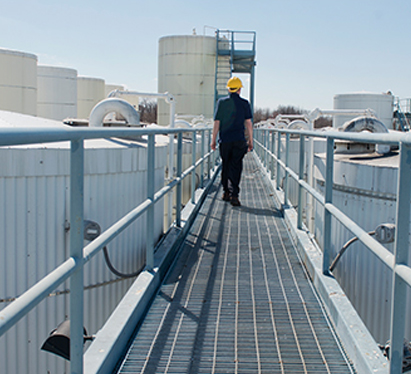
(238, 300)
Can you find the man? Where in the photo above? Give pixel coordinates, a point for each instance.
(232, 117)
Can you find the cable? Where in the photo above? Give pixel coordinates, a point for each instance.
(343, 249)
(115, 271)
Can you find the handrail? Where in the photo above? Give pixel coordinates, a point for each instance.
(397, 262)
(73, 267)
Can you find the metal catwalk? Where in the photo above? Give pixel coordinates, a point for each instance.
(238, 299)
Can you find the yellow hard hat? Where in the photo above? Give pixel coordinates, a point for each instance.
(234, 84)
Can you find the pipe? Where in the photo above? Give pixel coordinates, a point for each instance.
(113, 105)
(169, 99)
(314, 114)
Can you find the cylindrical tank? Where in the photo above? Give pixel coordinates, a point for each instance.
(186, 69)
(56, 92)
(18, 82)
(381, 103)
(90, 91)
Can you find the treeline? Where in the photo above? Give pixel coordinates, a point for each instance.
(264, 114)
(148, 113)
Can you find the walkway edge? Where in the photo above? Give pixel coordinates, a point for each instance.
(356, 339)
(113, 338)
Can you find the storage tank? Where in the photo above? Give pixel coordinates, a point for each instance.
(56, 92)
(381, 103)
(18, 82)
(90, 91)
(186, 69)
(35, 229)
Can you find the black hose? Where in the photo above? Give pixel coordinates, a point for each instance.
(115, 271)
(343, 249)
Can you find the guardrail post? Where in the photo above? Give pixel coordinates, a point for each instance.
(265, 148)
(399, 293)
(76, 251)
(329, 178)
(272, 152)
(278, 159)
(150, 195)
(193, 160)
(300, 187)
(202, 157)
(287, 153)
(180, 184)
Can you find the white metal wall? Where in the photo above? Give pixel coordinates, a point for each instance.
(56, 92)
(18, 82)
(34, 190)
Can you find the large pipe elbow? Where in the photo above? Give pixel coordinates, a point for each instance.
(110, 105)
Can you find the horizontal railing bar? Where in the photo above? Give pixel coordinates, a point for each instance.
(382, 138)
(12, 313)
(378, 249)
(30, 135)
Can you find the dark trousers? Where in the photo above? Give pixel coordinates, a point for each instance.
(232, 154)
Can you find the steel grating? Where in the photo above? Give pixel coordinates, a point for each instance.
(238, 300)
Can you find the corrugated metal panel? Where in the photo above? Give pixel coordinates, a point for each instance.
(369, 201)
(34, 190)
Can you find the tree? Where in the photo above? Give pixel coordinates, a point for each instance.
(148, 111)
(264, 114)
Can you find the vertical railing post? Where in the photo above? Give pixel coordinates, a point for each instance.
(150, 196)
(278, 159)
(300, 187)
(76, 252)
(264, 150)
(272, 152)
(287, 154)
(209, 157)
(180, 184)
(193, 162)
(202, 157)
(329, 177)
(399, 293)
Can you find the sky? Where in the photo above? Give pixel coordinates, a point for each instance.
(307, 50)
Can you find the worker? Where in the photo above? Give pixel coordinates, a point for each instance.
(233, 124)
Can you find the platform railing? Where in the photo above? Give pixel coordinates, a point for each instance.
(265, 141)
(73, 267)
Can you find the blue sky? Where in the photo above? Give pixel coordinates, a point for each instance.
(307, 51)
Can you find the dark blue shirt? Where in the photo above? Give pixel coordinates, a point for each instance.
(232, 111)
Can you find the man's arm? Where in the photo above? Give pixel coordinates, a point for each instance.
(249, 127)
(216, 127)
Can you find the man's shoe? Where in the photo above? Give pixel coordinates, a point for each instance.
(226, 196)
(235, 201)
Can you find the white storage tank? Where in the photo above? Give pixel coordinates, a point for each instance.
(381, 103)
(34, 233)
(56, 92)
(186, 69)
(90, 91)
(18, 82)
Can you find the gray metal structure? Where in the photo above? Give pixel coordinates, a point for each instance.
(239, 47)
